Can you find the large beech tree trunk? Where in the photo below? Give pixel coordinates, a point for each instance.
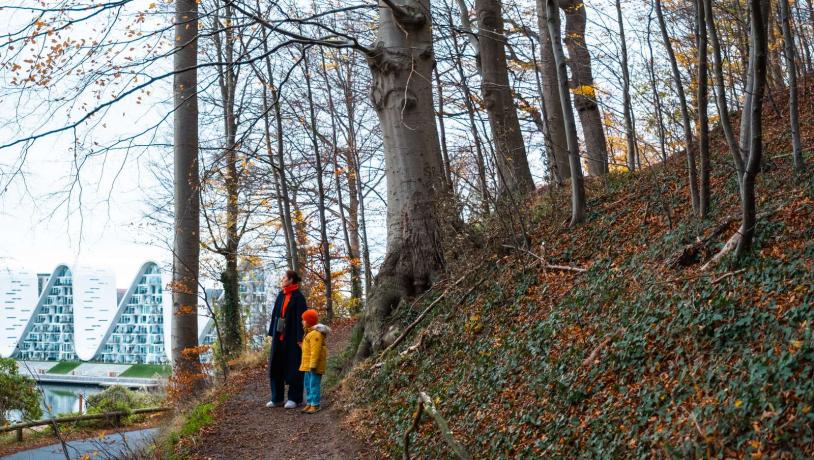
(401, 65)
(513, 168)
(186, 243)
(551, 97)
(582, 85)
(577, 187)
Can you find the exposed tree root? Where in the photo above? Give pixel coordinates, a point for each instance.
(734, 240)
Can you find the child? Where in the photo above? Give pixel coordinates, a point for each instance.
(314, 357)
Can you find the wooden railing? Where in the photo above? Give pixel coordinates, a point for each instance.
(54, 422)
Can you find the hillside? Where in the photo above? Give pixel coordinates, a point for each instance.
(643, 355)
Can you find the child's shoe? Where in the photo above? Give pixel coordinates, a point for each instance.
(312, 410)
(306, 408)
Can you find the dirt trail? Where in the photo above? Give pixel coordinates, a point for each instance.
(245, 429)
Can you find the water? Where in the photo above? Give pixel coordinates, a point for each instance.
(59, 399)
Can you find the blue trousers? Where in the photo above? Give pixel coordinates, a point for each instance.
(313, 388)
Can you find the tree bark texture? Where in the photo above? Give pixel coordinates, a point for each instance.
(582, 85)
(401, 65)
(227, 82)
(551, 96)
(759, 12)
(186, 244)
(703, 110)
(685, 114)
(791, 67)
(720, 86)
(514, 174)
(630, 131)
(577, 187)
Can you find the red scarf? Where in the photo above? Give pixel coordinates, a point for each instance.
(287, 291)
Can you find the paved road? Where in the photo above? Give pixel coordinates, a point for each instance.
(110, 447)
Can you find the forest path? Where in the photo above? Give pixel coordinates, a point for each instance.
(245, 429)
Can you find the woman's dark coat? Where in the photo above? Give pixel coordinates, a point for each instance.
(293, 335)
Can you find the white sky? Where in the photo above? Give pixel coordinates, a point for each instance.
(38, 230)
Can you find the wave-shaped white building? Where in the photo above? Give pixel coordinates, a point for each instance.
(75, 314)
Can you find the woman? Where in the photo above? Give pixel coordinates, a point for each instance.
(286, 335)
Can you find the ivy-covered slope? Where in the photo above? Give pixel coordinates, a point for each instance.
(635, 358)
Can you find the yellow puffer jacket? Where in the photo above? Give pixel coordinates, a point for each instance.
(314, 351)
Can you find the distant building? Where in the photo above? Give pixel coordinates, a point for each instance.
(138, 332)
(49, 334)
(78, 314)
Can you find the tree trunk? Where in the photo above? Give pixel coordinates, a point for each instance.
(476, 139)
(685, 114)
(401, 93)
(186, 244)
(355, 207)
(539, 118)
(720, 92)
(582, 85)
(630, 131)
(791, 66)
(514, 174)
(655, 91)
(292, 252)
(577, 187)
(339, 172)
(759, 11)
(288, 222)
(442, 130)
(227, 81)
(551, 96)
(275, 177)
(323, 224)
(703, 102)
(774, 78)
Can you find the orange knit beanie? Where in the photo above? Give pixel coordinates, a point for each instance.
(311, 317)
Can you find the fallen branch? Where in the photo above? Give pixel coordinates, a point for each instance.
(587, 361)
(425, 404)
(545, 264)
(727, 275)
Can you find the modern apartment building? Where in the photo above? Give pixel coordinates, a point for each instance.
(77, 314)
(49, 334)
(137, 335)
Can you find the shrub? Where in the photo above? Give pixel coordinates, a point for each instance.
(120, 399)
(17, 392)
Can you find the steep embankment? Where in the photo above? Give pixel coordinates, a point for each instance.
(641, 355)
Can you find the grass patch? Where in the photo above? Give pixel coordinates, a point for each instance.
(188, 426)
(64, 367)
(146, 371)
